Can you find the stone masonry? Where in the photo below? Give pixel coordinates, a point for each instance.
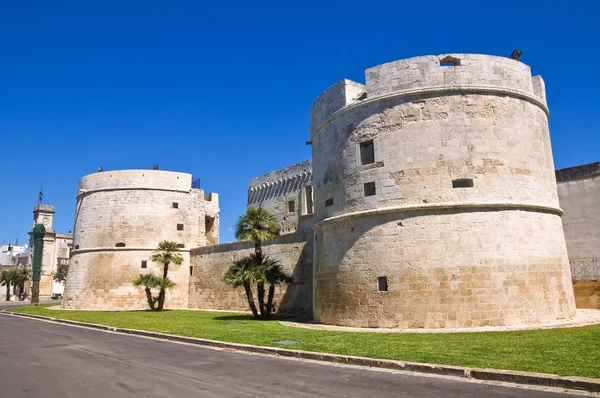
(431, 209)
(423, 206)
(120, 217)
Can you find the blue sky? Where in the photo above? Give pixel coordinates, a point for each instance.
(223, 90)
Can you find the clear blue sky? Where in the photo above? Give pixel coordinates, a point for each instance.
(222, 90)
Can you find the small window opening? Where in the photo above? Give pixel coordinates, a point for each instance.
(209, 230)
(367, 152)
(191, 270)
(382, 283)
(76, 247)
(449, 61)
(462, 183)
(175, 205)
(120, 244)
(369, 188)
(181, 245)
(308, 191)
(180, 227)
(329, 202)
(291, 206)
(144, 264)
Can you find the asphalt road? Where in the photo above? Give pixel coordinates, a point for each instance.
(41, 359)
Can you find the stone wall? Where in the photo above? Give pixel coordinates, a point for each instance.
(427, 189)
(579, 193)
(287, 195)
(587, 294)
(294, 251)
(120, 218)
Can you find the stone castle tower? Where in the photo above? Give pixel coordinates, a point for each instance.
(120, 217)
(435, 198)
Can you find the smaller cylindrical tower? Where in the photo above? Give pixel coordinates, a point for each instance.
(435, 198)
(120, 218)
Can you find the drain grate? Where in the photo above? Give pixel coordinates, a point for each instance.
(286, 342)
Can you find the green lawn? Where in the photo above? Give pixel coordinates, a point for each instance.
(570, 351)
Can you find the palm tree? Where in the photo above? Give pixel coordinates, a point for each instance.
(60, 275)
(149, 282)
(257, 225)
(167, 253)
(243, 273)
(20, 276)
(163, 284)
(261, 270)
(273, 275)
(6, 277)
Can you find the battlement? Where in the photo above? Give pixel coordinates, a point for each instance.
(135, 179)
(446, 72)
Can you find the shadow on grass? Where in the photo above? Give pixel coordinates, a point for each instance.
(274, 317)
(234, 318)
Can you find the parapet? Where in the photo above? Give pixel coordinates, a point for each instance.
(279, 182)
(135, 179)
(578, 172)
(442, 73)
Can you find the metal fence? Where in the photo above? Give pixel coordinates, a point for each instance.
(585, 269)
(196, 183)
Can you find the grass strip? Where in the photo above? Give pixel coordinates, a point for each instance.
(565, 352)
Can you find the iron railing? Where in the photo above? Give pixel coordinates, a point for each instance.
(196, 183)
(585, 269)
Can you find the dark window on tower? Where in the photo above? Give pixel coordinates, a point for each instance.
(329, 202)
(369, 189)
(175, 205)
(180, 245)
(291, 204)
(76, 247)
(462, 183)
(382, 283)
(367, 152)
(308, 193)
(120, 244)
(180, 227)
(144, 264)
(191, 270)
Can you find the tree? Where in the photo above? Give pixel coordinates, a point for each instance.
(20, 276)
(166, 253)
(260, 270)
(257, 225)
(149, 282)
(6, 277)
(60, 275)
(273, 274)
(242, 273)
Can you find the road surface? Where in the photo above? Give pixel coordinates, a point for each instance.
(42, 359)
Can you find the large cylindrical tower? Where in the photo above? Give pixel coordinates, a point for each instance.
(435, 198)
(120, 218)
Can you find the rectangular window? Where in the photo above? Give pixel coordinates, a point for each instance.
(180, 227)
(144, 264)
(382, 283)
(191, 270)
(308, 193)
(462, 183)
(180, 245)
(291, 206)
(367, 152)
(329, 202)
(175, 205)
(369, 189)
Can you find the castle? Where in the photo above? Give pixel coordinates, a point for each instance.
(430, 201)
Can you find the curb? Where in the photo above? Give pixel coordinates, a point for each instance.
(509, 376)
